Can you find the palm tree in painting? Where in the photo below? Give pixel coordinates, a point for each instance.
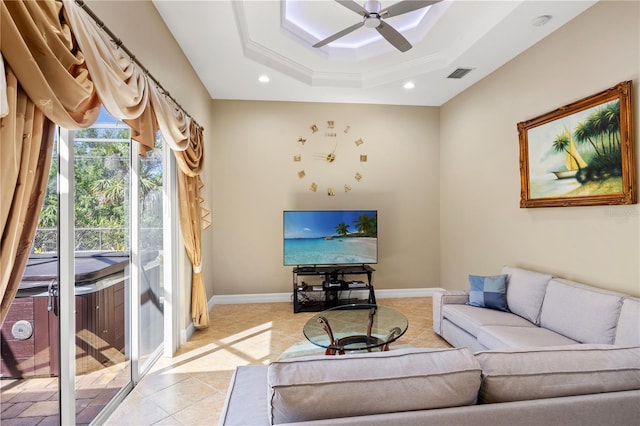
(601, 127)
(612, 117)
(601, 131)
(342, 229)
(594, 123)
(584, 133)
(562, 144)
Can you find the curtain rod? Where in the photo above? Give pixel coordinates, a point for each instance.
(121, 45)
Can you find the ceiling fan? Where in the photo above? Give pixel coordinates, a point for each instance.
(373, 17)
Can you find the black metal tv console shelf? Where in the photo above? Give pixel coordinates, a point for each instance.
(336, 287)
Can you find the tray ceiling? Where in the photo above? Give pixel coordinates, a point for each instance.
(230, 44)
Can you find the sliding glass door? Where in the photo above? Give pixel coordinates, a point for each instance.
(102, 249)
(150, 223)
(90, 313)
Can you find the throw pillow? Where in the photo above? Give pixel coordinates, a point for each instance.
(488, 292)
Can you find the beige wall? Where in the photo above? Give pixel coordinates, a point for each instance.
(140, 27)
(254, 178)
(482, 226)
(445, 180)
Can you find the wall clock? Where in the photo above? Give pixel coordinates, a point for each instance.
(330, 158)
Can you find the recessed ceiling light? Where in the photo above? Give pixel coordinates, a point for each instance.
(409, 85)
(264, 79)
(541, 20)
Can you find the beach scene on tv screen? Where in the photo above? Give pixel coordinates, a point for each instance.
(330, 237)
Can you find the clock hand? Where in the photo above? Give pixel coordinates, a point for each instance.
(329, 158)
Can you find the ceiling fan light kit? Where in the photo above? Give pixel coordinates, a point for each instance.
(373, 17)
(372, 21)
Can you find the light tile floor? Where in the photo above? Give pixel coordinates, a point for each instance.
(190, 388)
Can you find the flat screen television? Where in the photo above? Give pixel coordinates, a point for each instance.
(330, 237)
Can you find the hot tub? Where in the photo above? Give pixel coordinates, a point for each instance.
(29, 335)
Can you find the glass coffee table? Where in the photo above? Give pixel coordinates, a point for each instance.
(355, 327)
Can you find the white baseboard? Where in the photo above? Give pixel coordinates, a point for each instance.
(228, 299)
(407, 292)
(185, 335)
(287, 297)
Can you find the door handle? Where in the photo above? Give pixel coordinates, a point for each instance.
(52, 298)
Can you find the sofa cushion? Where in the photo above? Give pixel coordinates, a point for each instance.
(627, 330)
(471, 318)
(488, 292)
(582, 313)
(505, 336)
(535, 373)
(525, 292)
(459, 338)
(324, 387)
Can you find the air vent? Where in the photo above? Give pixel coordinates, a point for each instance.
(459, 73)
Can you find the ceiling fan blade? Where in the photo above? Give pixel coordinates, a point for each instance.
(393, 37)
(352, 5)
(406, 6)
(339, 34)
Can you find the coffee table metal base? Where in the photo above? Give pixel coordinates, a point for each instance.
(340, 345)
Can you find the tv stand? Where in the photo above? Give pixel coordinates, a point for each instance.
(335, 288)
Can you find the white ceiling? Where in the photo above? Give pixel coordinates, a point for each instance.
(230, 43)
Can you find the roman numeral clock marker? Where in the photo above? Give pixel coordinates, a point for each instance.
(322, 154)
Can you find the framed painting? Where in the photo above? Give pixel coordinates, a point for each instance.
(581, 154)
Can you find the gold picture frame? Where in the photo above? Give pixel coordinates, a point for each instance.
(581, 154)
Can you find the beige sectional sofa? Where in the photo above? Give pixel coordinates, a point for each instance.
(578, 384)
(543, 311)
(565, 354)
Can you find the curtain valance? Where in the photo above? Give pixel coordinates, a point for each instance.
(67, 68)
(124, 89)
(38, 47)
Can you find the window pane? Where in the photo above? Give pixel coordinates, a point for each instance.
(151, 208)
(102, 156)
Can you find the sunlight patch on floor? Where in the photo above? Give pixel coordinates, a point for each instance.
(247, 333)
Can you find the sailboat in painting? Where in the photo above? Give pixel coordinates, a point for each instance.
(573, 162)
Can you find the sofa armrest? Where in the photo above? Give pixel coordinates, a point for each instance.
(246, 402)
(441, 298)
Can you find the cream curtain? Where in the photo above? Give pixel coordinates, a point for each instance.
(39, 49)
(27, 139)
(46, 81)
(4, 104)
(67, 82)
(190, 163)
(128, 95)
